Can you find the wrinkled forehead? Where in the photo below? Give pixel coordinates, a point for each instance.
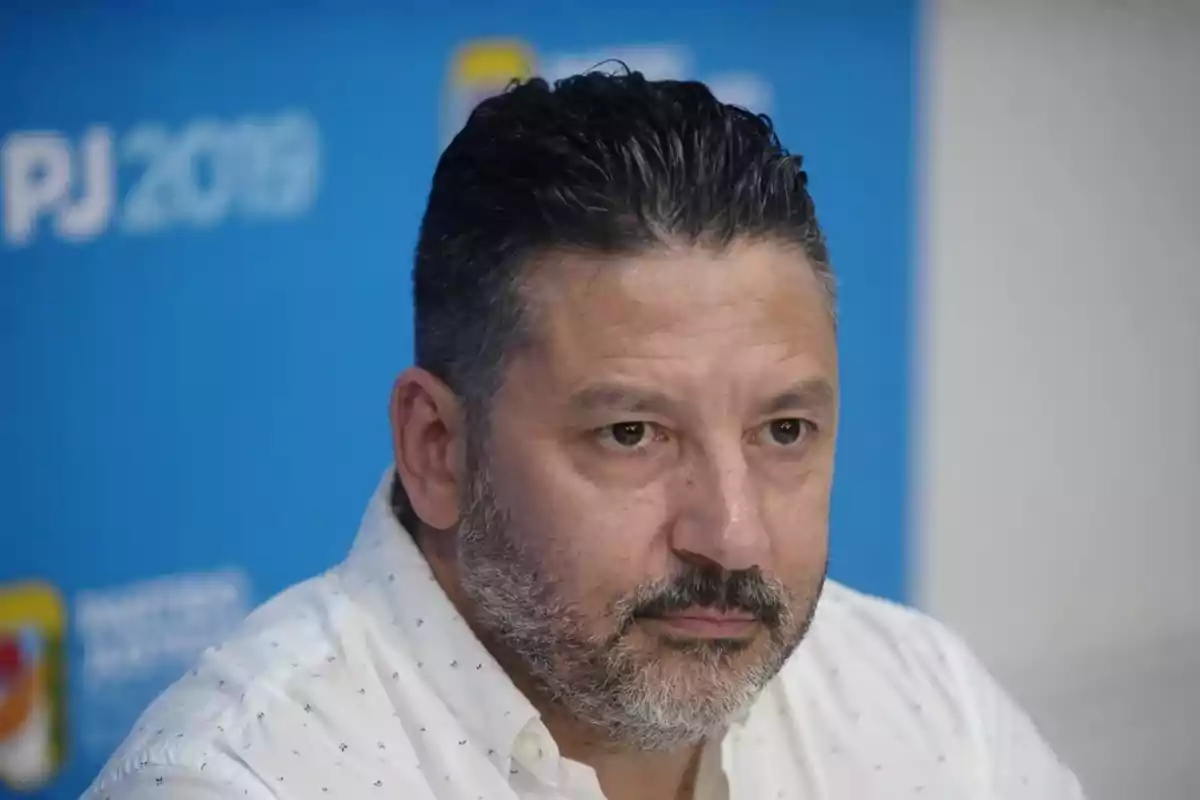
(751, 312)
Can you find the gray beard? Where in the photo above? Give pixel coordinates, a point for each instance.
(601, 682)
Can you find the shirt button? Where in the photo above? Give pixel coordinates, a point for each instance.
(529, 750)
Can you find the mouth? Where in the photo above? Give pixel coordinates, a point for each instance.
(704, 623)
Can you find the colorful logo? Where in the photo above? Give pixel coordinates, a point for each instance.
(32, 684)
(479, 70)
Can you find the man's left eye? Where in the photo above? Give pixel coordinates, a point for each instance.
(788, 431)
(628, 434)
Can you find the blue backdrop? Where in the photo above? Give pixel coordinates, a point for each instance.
(208, 220)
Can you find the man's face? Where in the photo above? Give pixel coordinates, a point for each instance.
(646, 532)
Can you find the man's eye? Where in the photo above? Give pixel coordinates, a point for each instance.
(786, 432)
(626, 434)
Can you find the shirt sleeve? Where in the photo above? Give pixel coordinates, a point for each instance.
(177, 782)
(157, 782)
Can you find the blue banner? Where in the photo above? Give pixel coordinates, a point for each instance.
(207, 227)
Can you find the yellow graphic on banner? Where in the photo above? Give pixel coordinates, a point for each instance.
(33, 621)
(492, 61)
(478, 70)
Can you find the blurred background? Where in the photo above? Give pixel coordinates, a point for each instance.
(208, 211)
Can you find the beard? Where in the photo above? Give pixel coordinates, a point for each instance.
(673, 693)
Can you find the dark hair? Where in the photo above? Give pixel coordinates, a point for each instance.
(603, 163)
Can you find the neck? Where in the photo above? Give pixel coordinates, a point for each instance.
(624, 773)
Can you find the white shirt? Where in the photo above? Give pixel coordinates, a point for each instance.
(365, 682)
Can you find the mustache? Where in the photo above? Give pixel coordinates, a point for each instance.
(747, 590)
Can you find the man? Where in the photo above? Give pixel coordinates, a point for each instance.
(597, 569)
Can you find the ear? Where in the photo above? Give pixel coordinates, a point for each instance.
(428, 437)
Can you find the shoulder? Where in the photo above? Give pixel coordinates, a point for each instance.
(885, 633)
(901, 682)
(889, 656)
(271, 705)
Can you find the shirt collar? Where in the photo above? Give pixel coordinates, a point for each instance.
(387, 572)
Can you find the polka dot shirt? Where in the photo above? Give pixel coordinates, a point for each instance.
(364, 682)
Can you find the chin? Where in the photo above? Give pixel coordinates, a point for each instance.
(711, 667)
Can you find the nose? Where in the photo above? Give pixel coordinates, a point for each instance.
(720, 523)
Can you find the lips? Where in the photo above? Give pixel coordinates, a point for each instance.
(710, 615)
(706, 623)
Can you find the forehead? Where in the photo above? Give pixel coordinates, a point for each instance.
(687, 314)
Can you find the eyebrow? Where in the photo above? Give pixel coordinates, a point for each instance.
(812, 394)
(615, 397)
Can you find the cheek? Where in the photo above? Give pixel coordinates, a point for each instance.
(599, 545)
(797, 521)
